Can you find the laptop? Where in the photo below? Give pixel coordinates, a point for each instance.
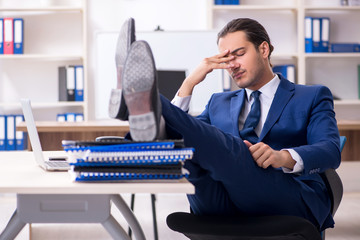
(50, 163)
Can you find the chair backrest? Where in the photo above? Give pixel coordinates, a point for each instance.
(333, 183)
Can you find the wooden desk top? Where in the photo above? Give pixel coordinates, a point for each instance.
(348, 124)
(116, 125)
(19, 173)
(93, 126)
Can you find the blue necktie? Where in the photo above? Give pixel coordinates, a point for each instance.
(252, 120)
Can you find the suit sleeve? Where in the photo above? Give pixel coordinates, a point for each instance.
(204, 116)
(323, 142)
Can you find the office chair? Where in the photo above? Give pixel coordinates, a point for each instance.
(259, 227)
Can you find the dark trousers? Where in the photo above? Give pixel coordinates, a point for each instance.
(226, 178)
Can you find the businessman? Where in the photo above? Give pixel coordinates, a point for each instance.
(258, 150)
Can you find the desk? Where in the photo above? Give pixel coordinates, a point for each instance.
(51, 133)
(51, 197)
(350, 129)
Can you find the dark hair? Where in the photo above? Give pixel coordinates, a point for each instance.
(254, 31)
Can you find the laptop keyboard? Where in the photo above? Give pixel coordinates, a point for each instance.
(55, 164)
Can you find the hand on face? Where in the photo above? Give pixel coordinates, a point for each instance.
(207, 65)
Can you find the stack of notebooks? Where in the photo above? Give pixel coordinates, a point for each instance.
(101, 162)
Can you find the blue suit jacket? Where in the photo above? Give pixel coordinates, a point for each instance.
(300, 117)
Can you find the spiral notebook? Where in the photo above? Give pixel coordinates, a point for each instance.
(130, 161)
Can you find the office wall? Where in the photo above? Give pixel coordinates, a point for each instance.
(108, 15)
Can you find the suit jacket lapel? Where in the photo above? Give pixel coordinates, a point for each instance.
(236, 106)
(282, 96)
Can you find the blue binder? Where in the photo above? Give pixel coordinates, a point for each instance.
(18, 36)
(20, 136)
(308, 35)
(2, 36)
(2, 132)
(70, 117)
(79, 83)
(316, 34)
(345, 47)
(287, 70)
(325, 34)
(79, 117)
(61, 117)
(10, 133)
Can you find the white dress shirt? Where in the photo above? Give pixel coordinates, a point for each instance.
(266, 97)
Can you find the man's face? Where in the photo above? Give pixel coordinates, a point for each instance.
(248, 64)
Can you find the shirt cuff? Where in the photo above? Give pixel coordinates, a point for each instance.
(298, 167)
(181, 102)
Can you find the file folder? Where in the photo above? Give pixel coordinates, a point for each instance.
(18, 36)
(325, 34)
(2, 132)
(288, 71)
(345, 47)
(1, 36)
(79, 117)
(226, 81)
(20, 136)
(79, 83)
(10, 138)
(70, 83)
(66, 83)
(316, 22)
(308, 35)
(62, 84)
(61, 117)
(70, 117)
(8, 36)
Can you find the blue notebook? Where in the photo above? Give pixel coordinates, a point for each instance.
(128, 161)
(115, 177)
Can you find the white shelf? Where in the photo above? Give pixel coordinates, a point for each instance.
(332, 55)
(253, 7)
(332, 8)
(42, 9)
(45, 49)
(44, 104)
(44, 57)
(347, 102)
(286, 29)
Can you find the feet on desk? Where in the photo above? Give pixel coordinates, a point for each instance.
(141, 93)
(117, 106)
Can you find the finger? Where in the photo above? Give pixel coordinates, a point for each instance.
(247, 143)
(260, 153)
(265, 160)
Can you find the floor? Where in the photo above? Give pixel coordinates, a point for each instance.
(347, 217)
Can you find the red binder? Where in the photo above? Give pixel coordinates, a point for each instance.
(8, 36)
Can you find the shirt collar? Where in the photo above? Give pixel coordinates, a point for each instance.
(268, 90)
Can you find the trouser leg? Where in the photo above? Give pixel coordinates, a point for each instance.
(231, 172)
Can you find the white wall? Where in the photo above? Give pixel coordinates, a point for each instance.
(171, 15)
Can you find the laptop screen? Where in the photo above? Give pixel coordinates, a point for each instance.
(169, 81)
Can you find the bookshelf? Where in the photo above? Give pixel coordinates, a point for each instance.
(284, 21)
(55, 34)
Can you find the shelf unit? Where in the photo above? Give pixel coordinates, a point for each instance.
(49, 27)
(284, 21)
